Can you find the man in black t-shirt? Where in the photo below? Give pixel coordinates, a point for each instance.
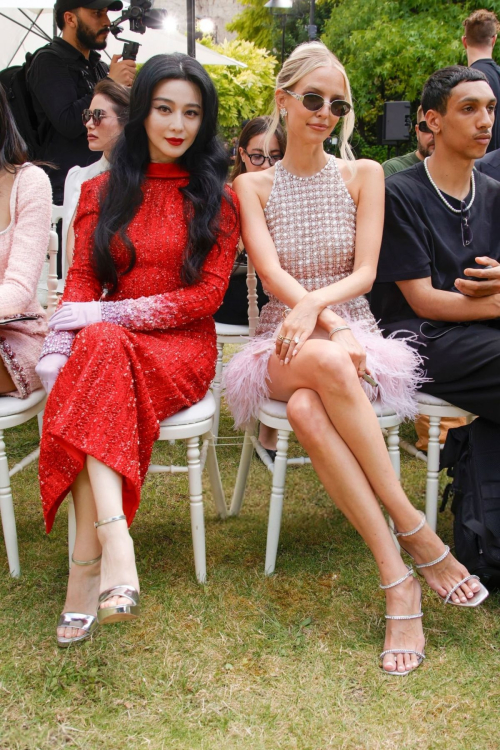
(481, 29)
(439, 270)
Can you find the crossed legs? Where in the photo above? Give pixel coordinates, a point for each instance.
(333, 419)
(97, 494)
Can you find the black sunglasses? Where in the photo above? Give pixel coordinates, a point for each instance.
(314, 102)
(96, 115)
(466, 229)
(258, 159)
(423, 127)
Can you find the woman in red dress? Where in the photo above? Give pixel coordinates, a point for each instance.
(134, 341)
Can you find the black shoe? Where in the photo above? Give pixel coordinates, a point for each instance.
(270, 453)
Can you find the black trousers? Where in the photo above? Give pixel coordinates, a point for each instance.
(463, 361)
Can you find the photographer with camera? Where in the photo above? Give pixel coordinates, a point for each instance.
(61, 81)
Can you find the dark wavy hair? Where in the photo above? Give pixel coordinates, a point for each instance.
(206, 161)
(257, 126)
(13, 149)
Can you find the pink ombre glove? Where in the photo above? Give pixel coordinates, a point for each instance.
(48, 369)
(72, 316)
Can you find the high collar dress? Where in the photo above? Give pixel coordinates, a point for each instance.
(155, 351)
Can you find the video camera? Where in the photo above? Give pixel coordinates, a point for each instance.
(141, 15)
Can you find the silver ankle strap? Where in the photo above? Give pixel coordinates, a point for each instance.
(436, 561)
(404, 617)
(110, 520)
(413, 531)
(400, 580)
(86, 562)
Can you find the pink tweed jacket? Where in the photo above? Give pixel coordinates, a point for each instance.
(23, 247)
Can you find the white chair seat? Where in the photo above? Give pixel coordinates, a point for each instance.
(426, 398)
(204, 409)
(225, 329)
(10, 405)
(277, 409)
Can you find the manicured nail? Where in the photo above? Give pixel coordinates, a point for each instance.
(294, 352)
(287, 361)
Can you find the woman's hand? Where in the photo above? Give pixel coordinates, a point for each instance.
(346, 340)
(49, 368)
(297, 328)
(73, 316)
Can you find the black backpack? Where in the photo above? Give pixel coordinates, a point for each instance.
(15, 83)
(472, 456)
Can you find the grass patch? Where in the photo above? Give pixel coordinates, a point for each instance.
(245, 661)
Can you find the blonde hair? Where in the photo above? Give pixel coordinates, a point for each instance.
(304, 59)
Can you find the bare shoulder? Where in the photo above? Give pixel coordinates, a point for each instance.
(255, 184)
(359, 169)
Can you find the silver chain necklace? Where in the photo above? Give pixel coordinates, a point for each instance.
(438, 191)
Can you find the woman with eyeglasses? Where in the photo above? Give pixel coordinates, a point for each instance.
(133, 341)
(105, 120)
(312, 225)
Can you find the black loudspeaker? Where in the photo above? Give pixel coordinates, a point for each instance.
(396, 123)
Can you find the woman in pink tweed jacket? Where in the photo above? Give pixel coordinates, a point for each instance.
(25, 212)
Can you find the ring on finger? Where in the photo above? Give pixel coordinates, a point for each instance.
(296, 339)
(287, 341)
(281, 338)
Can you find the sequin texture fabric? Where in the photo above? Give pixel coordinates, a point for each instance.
(153, 354)
(312, 221)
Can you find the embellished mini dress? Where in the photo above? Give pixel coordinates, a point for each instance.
(155, 351)
(312, 222)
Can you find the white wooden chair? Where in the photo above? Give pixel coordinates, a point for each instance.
(14, 412)
(229, 334)
(436, 409)
(273, 414)
(188, 424)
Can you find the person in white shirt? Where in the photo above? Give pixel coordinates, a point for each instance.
(105, 120)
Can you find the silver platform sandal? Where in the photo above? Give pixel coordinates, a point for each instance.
(396, 651)
(77, 620)
(118, 613)
(478, 597)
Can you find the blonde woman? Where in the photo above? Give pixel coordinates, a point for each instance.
(312, 225)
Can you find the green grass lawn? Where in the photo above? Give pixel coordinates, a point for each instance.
(245, 661)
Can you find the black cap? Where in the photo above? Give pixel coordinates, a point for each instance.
(92, 4)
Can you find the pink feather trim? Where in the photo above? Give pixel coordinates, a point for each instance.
(393, 364)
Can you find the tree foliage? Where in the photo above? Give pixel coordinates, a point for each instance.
(259, 25)
(389, 47)
(243, 92)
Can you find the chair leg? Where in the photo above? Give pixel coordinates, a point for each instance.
(214, 476)
(217, 389)
(71, 528)
(196, 507)
(276, 505)
(7, 512)
(432, 487)
(393, 449)
(241, 478)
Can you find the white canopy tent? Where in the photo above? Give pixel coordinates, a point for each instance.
(24, 28)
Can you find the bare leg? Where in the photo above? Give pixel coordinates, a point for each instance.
(268, 437)
(347, 485)
(83, 582)
(118, 560)
(6, 383)
(325, 368)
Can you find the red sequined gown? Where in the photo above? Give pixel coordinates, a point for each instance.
(153, 354)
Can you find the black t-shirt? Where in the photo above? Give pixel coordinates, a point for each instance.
(423, 238)
(492, 73)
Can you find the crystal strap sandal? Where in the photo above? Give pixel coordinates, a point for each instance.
(395, 651)
(77, 620)
(478, 597)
